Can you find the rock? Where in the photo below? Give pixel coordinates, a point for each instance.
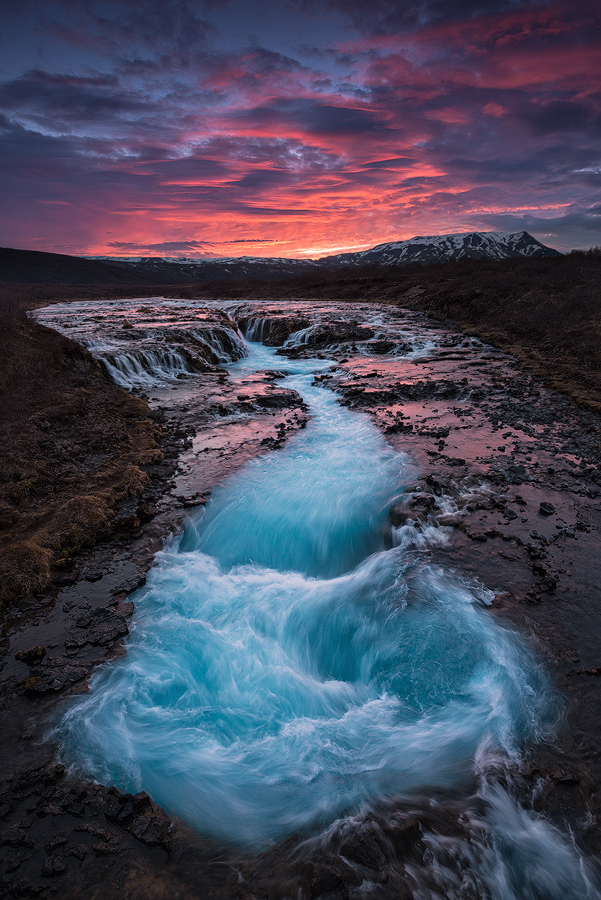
(107, 630)
(105, 849)
(148, 829)
(57, 841)
(454, 461)
(127, 523)
(103, 833)
(76, 809)
(475, 535)
(450, 519)
(546, 509)
(364, 850)
(140, 801)
(32, 655)
(405, 836)
(425, 501)
(278, 400)
(12, 862)
(145, 512)
(94, 575)
(399, 515)
(567, 778)
(381, 346)
(79, 851)
(53, 865)
(16, 838)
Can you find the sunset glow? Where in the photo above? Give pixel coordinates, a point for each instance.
(301, 129)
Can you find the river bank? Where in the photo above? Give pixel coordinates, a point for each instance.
(506, 468)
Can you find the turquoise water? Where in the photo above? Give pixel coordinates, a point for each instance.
(293, 660)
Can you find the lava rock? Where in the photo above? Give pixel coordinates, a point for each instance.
(57, 841)
(32, 655)
(53, 865)
(546, 509)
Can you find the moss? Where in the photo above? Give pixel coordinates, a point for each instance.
(150, 457)
(134, 482)
(24, 569)
(78, 521)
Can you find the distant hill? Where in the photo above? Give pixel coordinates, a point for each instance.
(31, 266)
(35, 267)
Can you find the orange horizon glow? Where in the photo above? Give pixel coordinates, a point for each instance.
(168, 147)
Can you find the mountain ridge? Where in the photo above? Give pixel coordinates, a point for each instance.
(22, 266)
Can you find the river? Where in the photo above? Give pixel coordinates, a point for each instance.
(302, 664)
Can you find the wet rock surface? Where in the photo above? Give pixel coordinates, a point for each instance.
(508, 469)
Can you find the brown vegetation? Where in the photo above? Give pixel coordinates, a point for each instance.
(70, 442)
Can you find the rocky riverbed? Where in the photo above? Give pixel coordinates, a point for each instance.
(505, 470)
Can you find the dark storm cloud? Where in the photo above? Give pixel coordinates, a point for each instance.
(579, 227)
(64, 98)
(312, 117)
(399, 162)
(162, 247)
(266, 179)
(392, 16)
(556, 161)
(562, 115)
(173, 31)
(183, 246)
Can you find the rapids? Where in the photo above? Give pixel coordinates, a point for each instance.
(295, 660)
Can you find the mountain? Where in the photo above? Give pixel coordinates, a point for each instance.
(53, 268)
(441, 248)
(438, 248)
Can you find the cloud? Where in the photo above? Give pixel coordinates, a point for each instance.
(137, 123)
(400, 162)
(64, 102)
(313, 117)
(557, 116)
(577, 227)
(392, 17)
(166, 31)
(161, 247)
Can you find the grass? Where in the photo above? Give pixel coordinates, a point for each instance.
(71, 444)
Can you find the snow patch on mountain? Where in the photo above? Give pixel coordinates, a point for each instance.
(422, 249)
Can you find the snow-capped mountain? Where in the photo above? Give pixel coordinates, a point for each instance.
(443, 247)
(431, 249)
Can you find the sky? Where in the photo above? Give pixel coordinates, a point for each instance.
(296, 128)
